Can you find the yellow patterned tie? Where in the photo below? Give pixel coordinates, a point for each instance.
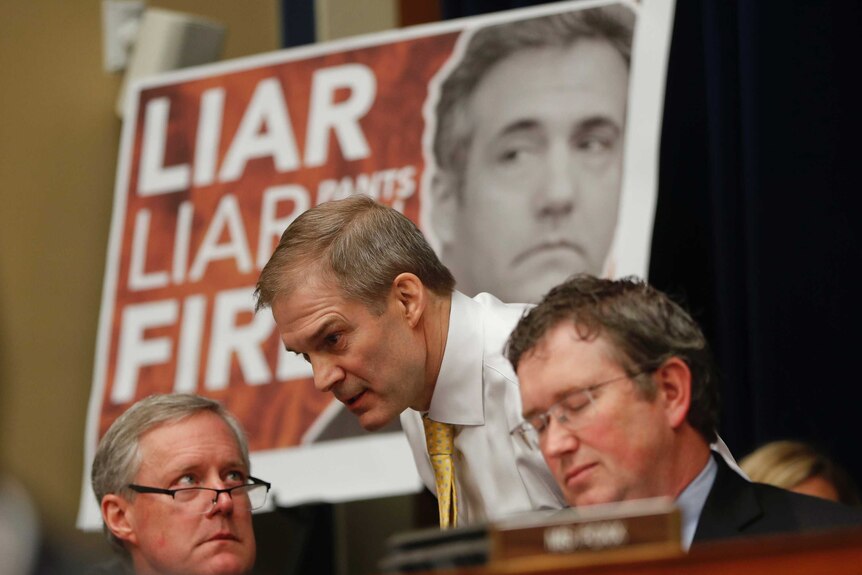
(440, 439)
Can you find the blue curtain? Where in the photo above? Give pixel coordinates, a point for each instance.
(297, 23)
(758, 167)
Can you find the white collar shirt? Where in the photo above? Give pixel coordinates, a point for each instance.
(496, 475)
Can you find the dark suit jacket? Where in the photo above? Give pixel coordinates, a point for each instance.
(738, 508)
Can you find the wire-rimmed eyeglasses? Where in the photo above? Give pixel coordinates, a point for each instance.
(201, 500)
(574, 411)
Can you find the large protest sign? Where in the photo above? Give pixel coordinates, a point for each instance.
(216, 161)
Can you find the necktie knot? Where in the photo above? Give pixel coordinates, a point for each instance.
(439, 437)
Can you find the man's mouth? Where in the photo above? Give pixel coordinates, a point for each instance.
(577, 473)
(350, 402)
(562, 245)
(223, 536)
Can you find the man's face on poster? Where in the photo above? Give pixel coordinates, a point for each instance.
(541, 184)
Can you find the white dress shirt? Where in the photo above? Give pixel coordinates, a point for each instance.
(496, 475)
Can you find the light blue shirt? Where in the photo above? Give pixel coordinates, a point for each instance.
(692, 499)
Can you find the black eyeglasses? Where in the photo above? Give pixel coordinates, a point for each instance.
(201, 500)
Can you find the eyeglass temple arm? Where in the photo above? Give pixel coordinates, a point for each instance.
(145, 489)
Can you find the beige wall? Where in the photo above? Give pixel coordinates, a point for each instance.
(339, 18)
(58, 151)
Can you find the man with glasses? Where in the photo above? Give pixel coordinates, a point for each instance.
(620, 395)
(172, 479)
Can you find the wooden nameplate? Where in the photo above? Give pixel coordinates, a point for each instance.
(611, 533)
(631, 530)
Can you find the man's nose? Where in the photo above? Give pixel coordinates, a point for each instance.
(558, 196)
(326, 374)
(558, 440)
(222, 503)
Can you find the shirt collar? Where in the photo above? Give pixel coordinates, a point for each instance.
(692, 499)
(458, 396)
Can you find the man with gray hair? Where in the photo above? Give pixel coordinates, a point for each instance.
(528, 145)
(621, 397)
(171, 476)
(356, 290)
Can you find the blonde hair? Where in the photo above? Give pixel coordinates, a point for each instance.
(786, 464)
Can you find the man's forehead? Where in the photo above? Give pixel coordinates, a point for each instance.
(564, 357)
(566, 335)
(576, 49)
(201, 439)
(186, 429)
(308, 314)
(519, 80)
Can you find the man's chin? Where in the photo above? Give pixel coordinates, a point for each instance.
(591, 496)
(371, 421)
(531, 280)
(530, 284)
(229, 564)
(222, 564)
(533, 288)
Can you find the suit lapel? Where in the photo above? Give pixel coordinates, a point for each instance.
(730, 506)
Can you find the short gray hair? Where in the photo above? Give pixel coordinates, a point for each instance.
(360, 243)
(118, 456)
(491, 45)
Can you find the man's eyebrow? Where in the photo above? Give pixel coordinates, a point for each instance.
(595, 122)
(176, 469)
(179, 469)
(518, 127)
(235, 464)
(559, 396)
(318, 333)
(539, 410)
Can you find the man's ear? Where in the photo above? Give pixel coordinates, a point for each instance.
(673, 383)
(444, 207)
(119, 517)
(411, 297)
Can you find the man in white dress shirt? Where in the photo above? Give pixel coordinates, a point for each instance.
(355, 288)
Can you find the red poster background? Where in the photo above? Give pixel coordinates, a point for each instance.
(275, 414)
